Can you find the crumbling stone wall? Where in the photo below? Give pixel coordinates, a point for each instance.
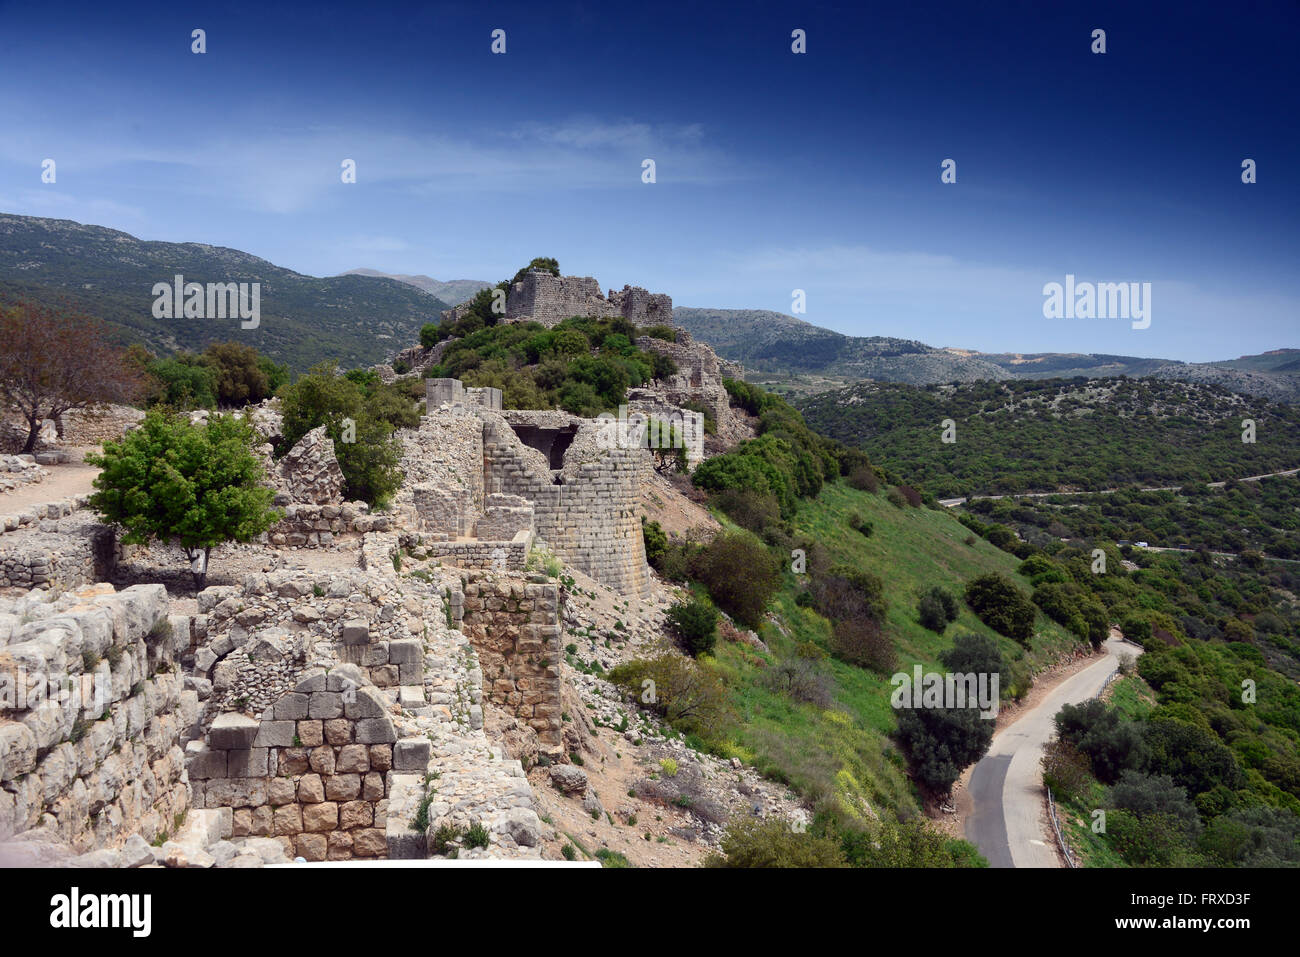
(444, 511)
(641, 307)
(64, 552)
(515, 627)
(306, 525)
(548, 299)
(588, 517)
(310, 472)
(699, 374)
(99, 759)
(504, 517)
(312, 771)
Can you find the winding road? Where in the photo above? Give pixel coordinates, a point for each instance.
(950, 502)
(1008, 823)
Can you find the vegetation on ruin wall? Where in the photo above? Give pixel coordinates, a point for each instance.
(584, 366)
(1026, 435)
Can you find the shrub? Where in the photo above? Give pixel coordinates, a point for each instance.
(862, 641)
(749, 509)
(690, 696)
(940, 742)
(740, 574)
(773, 843)
(896, 498)
(1001, 606)
(1111, 743)
(656, 541)
(936, 609)
(696, 623)
(803, 679)
(910, 495)
(1066, 770)
(864, 479)
(860, 524)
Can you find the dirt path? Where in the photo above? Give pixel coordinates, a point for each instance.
(66, 480)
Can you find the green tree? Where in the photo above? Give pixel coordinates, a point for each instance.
(740, 574)
(696, 622)
(362, 429)
(1001, 606)
(197, 485)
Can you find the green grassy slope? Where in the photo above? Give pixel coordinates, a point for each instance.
(843, 753)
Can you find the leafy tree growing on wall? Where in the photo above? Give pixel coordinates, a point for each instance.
(196, 485)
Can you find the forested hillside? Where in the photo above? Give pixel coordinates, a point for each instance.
(1059, 435)
(107, 274)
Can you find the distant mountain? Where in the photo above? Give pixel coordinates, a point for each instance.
(453, 291)
(1271, 375)
(783, 352)
(355, 320)
(773, 346)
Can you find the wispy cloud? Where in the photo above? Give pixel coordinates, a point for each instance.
(277, 170)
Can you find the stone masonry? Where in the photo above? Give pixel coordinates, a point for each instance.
(515, 626)
(548, 299)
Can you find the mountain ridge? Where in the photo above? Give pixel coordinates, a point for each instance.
(110, 274)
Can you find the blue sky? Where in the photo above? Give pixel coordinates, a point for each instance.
(775, 171)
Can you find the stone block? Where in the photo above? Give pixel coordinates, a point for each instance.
(292, 707)
(320, 817)
(375, 731)
(412, 754)
(233, 732)
(310, 734)
(356, 631)
(353, 758)
(311, 847)
(311, 789)
(343, 787)
(275, 734)
(251, 763)
(338, 731)
(326, 704)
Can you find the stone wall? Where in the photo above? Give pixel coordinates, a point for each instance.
(515, 626)
(699, 374)
(504, 517)
(588, 517)
(307, 526)
(312, 771)
(548, 299)
(99, 759)
(501, 555)
(310, 472)
(65, 553)
(453, 393)
(18, 470)
(641, 307)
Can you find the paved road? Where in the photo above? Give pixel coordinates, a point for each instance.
(950, 502)
(1007, 822)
